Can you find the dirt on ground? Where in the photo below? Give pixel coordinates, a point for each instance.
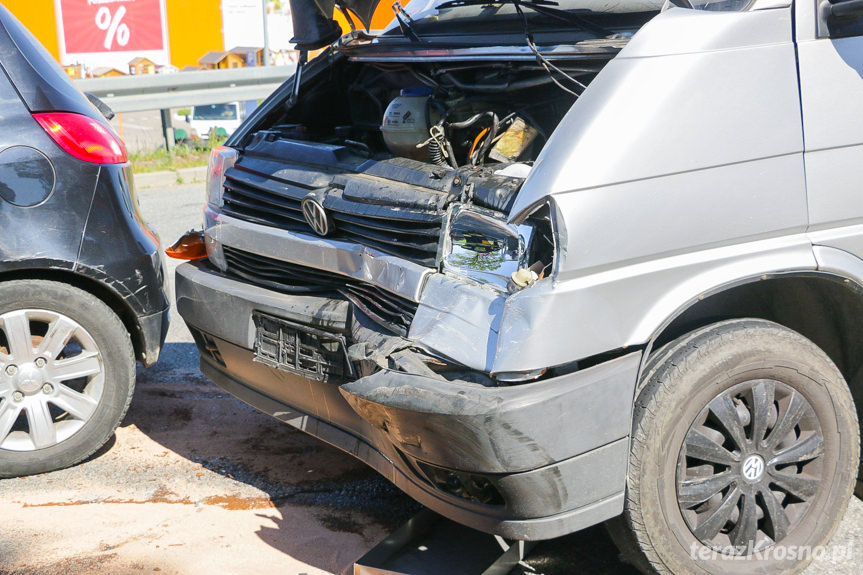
(197, 482)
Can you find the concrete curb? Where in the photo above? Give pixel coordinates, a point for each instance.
(171, 178)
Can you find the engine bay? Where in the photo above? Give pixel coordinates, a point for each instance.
(419, 160)
(453, 114)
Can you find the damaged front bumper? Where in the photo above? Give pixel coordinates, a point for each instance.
(532, 461)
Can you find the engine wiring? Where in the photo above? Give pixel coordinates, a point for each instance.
(463, 114)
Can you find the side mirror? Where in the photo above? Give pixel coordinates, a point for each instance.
(844, 9)
(840, 18)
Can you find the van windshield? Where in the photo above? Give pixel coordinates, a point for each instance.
(719, 5)
(492, 18)
(484, 9)
(215, 112)
(541, 13)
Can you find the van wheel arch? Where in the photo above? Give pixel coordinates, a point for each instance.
(824, 308)
(707, 381)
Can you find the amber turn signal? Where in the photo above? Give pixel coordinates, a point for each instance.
(189, 247)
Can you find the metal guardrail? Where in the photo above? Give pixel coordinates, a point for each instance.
(182, 89)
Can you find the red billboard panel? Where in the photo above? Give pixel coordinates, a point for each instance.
(112, 25)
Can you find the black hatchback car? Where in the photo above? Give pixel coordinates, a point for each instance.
(81, 276)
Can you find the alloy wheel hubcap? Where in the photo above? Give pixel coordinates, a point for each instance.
(28, 379)
(749, 466)
(51, 379)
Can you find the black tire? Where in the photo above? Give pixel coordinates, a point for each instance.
(685, 386)
(98, 340)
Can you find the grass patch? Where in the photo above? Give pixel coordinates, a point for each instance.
(182, 156)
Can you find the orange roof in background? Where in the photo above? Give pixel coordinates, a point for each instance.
(382, 17)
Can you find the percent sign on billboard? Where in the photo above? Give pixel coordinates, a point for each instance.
(112, 25)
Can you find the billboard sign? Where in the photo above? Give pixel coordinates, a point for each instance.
(112, 32)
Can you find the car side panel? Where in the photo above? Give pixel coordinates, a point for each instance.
(52, 229)
(119, 248)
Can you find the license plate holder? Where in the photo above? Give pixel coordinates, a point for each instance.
(301, 350)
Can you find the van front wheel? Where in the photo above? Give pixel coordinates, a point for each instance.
(745, 450)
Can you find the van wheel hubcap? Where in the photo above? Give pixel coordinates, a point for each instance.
(749, 466)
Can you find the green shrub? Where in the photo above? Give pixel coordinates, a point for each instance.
(182, 156)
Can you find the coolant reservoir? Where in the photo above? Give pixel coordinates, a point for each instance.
(406, 123)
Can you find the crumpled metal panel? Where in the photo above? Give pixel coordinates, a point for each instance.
(473, 428)
(459, 320)
(551, 324)
(353, 260)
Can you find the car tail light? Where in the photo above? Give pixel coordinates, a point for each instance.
(83, 137)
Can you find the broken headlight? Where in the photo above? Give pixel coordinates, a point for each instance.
(484, 247)
(221, 160)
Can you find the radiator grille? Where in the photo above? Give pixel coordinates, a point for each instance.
(386, 308)
(409, 233)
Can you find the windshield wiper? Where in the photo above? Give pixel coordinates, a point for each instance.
(545, 7)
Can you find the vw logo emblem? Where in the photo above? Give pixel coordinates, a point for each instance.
(316, 216)
(753, 468)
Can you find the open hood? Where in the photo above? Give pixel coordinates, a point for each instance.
(314, 26)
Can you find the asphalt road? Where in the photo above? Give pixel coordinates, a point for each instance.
(196, 482)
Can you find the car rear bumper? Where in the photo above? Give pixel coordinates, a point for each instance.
(532, 461)
(154, 329)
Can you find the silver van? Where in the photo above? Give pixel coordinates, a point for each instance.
(550, 264)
